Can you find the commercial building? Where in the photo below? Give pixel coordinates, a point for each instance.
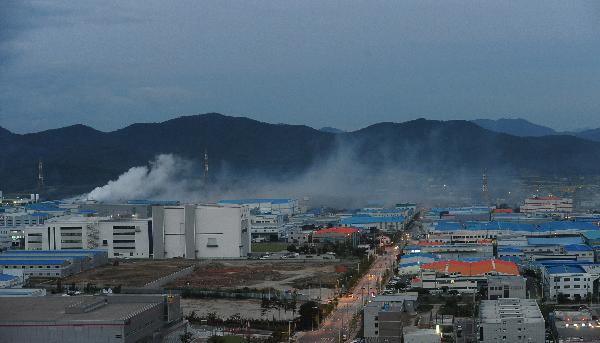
(510, 320)
(119, 237)
(575, 326)
(547, 205)
(506, 286)
(201, 231)
(115, 318)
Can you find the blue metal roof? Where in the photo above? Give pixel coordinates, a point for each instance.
(29, 262)
(371, 220)
(38, 256)
(509, 249)
(577, 247)
(152, 202)
(592, 234)
(61, 252)
(44, 207)
(409, 264)
(564, 268)
(516, 226)
(554, 240)
(40, 214)
(514, 259)
(254, 201)
(6, 277)
(418, 254)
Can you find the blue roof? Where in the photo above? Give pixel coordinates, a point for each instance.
(577, 247)
(592, 234)
(44, 207)
(6, 277)
(514, 259)
(371, 220)
(515, 226)
(509, 249)
(28, 262)
(37, 256)
(564, 268)
(409, 264)
(62, 252)
(418, 254)
(88, 211)
(254, 201)
(555, 240)
(152, 202)
(40, 214)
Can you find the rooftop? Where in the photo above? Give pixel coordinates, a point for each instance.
(337, 230)
(564, 269)
(473, 268)
(53, 309)
(354, 220)
(255, 201)
(13, 262)
(493, 311)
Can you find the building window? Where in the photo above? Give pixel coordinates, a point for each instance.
(567, 279)
(212, 243)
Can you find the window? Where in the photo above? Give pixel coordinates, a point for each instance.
(566, 279)
(376, 325)
(576, 279)
(212, 243)
(576, 286)
(567, 286)
(557, 279)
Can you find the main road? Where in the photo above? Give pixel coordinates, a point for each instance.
(336, 325)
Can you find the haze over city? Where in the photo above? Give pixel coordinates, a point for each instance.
(299, 171)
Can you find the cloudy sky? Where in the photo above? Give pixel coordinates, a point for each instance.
(346, 64)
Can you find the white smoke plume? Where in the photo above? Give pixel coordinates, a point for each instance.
(164, 178)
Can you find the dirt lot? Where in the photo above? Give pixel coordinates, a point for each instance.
(129, 273)
(280, 275)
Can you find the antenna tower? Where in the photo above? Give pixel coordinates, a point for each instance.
(40, 178)
(205, 166)
(484, 188)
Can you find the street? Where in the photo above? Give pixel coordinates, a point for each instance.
(336, 325)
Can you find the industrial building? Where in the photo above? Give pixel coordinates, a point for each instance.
(575, 326)
(287, 207)
(463, 277)
(369, 222)
(510, 320)
(266, 227)
(506, 286)
(548, 205)
(53, 264)
(571, 279)
(132, 208)
(337, 235)
(201, 231)
(115, 318)
(382, 316)
(119, 237)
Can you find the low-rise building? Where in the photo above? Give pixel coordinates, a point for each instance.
(414, 334)
(336, 235)
(510, 320)
(575, 326)
(382, 316)
(506, 286)
(116, 318)
(573, 280)
(547, 205)
(266, 227)
(51, 263)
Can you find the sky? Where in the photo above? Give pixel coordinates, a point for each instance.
(346, 64)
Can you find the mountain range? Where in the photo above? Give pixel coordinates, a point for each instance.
(523, 128)
(78, 158)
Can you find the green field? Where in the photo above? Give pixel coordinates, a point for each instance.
(269, 247)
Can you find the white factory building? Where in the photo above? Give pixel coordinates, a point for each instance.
(573, 280)
(266, 227)
(120, 237)
(201, 231)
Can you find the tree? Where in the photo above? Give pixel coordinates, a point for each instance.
(186, 337)
(292, 248)
(308, 313)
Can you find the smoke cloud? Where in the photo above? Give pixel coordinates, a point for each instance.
(343, 180)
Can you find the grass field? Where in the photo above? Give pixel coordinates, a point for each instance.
(269, 247)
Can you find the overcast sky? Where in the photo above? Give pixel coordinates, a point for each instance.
(346, 64)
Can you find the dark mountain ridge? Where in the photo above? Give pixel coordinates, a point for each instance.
(78, 158)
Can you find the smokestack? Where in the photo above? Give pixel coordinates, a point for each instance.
(40, 178)
(205, 166)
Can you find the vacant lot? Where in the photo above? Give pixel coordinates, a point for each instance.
(281, 275)
(129, 273)
(225, 308)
